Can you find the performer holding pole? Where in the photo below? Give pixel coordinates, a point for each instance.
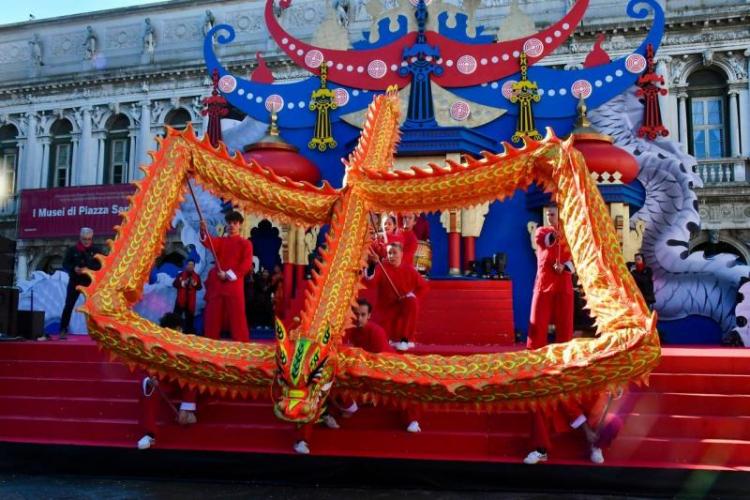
(398, 287)
(553, 288)
(375, 254)
(225, 293)
(553, 300)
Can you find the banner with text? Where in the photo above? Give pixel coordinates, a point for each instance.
(62, 212)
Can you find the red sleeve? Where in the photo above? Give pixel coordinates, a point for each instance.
(176, 282)
(410, 246)
(198, 282)
(347, 340)
(378, 339)
(540, 236)
(207, 241)
(374, 282)
(420, 284)
(246, 261)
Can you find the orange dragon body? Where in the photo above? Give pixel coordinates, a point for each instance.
(310, 360)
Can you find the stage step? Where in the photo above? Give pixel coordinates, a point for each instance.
(695, 413)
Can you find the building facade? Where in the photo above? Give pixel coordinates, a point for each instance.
(83, 97)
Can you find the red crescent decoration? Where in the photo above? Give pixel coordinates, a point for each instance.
(492, 61)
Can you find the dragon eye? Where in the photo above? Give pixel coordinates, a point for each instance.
(317, 373)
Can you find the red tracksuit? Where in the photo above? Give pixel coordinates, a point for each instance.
(553, 292)
(152, 402)
(371, 338)
(225, 300)
(396, 312)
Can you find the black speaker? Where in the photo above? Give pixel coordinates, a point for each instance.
(8, 309)
(30, 324)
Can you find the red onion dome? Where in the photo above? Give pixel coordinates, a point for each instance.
(612, 164)
(274, 153)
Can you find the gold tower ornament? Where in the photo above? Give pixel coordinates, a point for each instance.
(525, 92)
(323, 100)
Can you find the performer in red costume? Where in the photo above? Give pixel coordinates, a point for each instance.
(553, 288)
(153, 393)
(225, 294)
(372, 338)
(187, 283)
(398, 288)
(389, 234)
(367, 334)
(553, 299)
(409, 237)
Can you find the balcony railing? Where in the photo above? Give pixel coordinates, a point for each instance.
(723, 171)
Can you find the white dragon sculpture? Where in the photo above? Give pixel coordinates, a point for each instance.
(685, 283)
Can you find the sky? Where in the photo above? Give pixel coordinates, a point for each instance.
(17, 11)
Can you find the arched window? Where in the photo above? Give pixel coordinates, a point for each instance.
(707, 90)
(117, 150)
(712, 249)
(61, 154)
(177, 119)
(8, 161)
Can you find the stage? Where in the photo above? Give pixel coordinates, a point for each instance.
(694, 415)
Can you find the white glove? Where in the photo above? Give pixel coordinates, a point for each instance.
(230, 275)
(410, 295)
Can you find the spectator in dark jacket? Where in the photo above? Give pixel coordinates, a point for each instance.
(78, 259)
(644, 278)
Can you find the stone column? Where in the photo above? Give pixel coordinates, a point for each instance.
(734, 129)
(101, 138)
(744, 121)
(683, 120)
(30, 165)
(75, 153)
(42, 180)
(144, 138)
(86, 167)
(133, 165)
(667, 103)
(22, 265)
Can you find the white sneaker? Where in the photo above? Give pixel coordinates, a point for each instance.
(413, 427)
(349, 412)
(330, 422)
(596, 455)
(146, 442)
(402, 346)
(535, 457)
(301, 448)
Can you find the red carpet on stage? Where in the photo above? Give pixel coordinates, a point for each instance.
(696, 414)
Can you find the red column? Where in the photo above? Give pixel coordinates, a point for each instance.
(454, 254)
(299, 280)
(469, 250)
(288, 282)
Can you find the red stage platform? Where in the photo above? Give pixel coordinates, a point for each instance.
(464, 312)
(694, 415)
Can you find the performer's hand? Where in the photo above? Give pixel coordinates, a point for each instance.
(410, 295)
(558, 267)
(183, 283)
(222, 275)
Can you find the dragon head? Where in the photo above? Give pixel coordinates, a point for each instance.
(304, 375)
